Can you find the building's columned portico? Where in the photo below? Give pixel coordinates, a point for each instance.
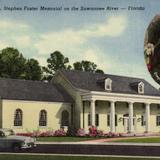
(111, 98)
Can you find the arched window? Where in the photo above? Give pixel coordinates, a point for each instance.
(18, 117)
(65, 118)
(43, 118)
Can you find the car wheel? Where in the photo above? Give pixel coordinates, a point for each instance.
(16, 148)
(31, 148)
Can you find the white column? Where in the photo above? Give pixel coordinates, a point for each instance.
(147, 117)
(92, 112)
(131, 127)
(112, 116)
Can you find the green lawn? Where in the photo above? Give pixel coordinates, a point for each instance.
(141, 140)
(44, 157)
(65, 139)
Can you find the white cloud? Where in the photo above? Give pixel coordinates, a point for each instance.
(58, 41)
(113, 27)
(12, 25)
(3, 45)
(15, 34)
(23, 41)
(72, 43)
(68, 39)
(111, 64)
(97, 56)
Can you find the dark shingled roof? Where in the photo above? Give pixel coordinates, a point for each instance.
(120, 84)
(15, 89)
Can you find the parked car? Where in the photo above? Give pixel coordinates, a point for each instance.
(10, 141)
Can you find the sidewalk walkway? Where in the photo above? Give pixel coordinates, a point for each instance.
(111, 139)
(115, 139)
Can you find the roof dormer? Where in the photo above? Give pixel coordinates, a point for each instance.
(138, 87)
(141, 87)
(108, 84)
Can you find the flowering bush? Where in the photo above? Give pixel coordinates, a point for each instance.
(81, 132)
(111, 135)
(100, 133)
(46, 134)
(60, 133)
(25, 134)
(93, 131)
(36, 133)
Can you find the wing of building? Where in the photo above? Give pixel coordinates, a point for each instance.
(79, 99)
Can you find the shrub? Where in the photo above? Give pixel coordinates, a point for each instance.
(72, 131)
(92, 131)
(112, 134)
(46, 134)
(36, 133)
(100, 133)
(81, 132)
(60, 133)
(25, 134)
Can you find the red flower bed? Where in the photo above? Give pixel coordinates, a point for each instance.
(25, 134)
(93, 131)
(60, 133)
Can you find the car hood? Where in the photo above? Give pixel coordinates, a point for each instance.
(23, 138)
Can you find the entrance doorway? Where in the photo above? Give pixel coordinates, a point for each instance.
(126, 122)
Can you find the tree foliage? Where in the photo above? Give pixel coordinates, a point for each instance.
(87, 66)
(33, 70)
(55, 62)
(14, 65)
(58, 61)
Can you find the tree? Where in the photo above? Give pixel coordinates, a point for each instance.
(58, 61)
(99, 71)
(55, 62)
(86, 66)
(78, 66)
(12, 63)
(33, 70)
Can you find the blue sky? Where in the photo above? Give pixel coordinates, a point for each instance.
(114, 40)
